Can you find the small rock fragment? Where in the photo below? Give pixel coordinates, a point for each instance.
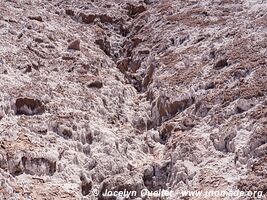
(87, 18)
(221, 64)
(39, 40)
(95, 84)
(75, 45)
(20, 35)
(37, 18)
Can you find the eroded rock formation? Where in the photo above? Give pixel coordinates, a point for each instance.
(131, 95)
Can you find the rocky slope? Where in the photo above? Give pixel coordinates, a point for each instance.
(155, 94)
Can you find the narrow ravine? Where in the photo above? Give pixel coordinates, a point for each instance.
(137, 96)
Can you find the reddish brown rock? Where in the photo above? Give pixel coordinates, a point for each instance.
(75, 45)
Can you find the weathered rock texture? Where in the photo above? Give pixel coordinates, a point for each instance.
(131, 95)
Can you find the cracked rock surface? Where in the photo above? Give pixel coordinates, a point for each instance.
(133, 95)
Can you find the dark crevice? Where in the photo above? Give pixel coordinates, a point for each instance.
(27, 106)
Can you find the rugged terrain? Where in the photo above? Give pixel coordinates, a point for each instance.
(119, 94)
